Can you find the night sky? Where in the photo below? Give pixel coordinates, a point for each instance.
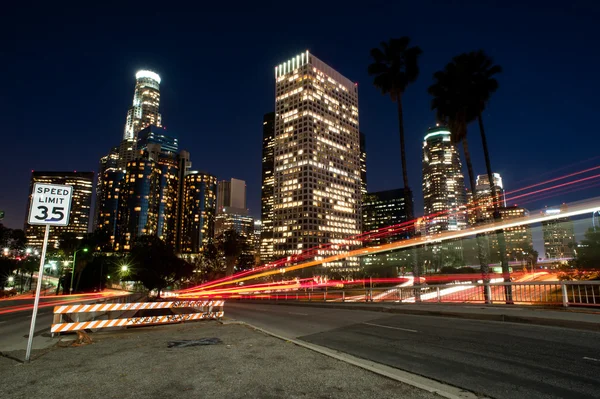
(68, 79)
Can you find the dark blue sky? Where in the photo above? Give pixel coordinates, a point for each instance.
(68, 79)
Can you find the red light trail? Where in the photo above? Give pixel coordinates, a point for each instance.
(396, 229)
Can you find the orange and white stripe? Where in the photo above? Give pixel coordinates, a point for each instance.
(134, 321)
(108, 307)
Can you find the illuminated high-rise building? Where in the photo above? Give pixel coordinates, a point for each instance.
(107, 204)
(199, 203)
(148, 203)
(79, 217)
(518, 239)
(142, 113)
(108, 162)
(146, 100)
(443, 183)
(383, 209)
(363, 164)
(559, 235)
(231, 196)
(317, 190)
(268, 182)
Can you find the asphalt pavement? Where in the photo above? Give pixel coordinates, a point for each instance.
(138, 363)
(496, 359)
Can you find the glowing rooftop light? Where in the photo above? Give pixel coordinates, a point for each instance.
(147, 74)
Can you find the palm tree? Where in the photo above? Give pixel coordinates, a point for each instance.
(472, 85)
(452, 105)
(395, 66)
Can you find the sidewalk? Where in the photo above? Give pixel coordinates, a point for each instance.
(136, 363)
(578, 318)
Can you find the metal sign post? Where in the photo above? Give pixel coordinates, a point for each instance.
(50, 206)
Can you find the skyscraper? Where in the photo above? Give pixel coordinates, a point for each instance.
(108, 162)
(363, 164)
(443, 183)
(146, 100)
(317, 190)
(518, 239)
(268, 182)
(143, 113)
(198, 216)
(383, 209)
(231, 195)
(148, 204)
(79, 217)
(559, 235)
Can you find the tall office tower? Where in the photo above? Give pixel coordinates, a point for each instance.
(107, 204)
(484, 203)
(138, 203)
(257, 235)
(317, 191)
(268, 181)
(518, 239)
(199, 209)
(231, 196)
(185, 165)
(146, 100)
(79, 217)
(363, 164)
(149, 194)
(443, 183)
(559, 235)
(380, 210)
(107, 162)
(143, 113)
(384, 209)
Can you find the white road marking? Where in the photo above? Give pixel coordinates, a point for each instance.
(393, 328)
(591, 358)
(299, 314)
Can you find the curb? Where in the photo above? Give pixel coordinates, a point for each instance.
(417, 381)
(502, 317)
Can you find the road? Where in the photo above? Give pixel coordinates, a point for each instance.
(499, 360)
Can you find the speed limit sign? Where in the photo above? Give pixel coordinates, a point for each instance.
(50, 204)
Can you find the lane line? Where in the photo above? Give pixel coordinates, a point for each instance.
(591, 358)
(390, 327)
(299, 314)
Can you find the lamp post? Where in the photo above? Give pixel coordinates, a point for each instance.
(73, 270)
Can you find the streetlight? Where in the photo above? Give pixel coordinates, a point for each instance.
(11, 279)
(124, 268)
(73, 269)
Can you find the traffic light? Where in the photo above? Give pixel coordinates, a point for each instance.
(1, 215)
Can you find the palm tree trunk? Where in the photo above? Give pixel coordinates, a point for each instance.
(407, 191)
(483, 265)
(497, 218)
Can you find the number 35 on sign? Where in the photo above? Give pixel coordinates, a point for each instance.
(50, 204)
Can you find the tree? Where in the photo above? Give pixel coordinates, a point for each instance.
(461, 93)
(156, 265)
(395, 67)
(233, 246)
(588, 252)
(210, 265)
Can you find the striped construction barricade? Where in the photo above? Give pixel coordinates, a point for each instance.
(203, 310)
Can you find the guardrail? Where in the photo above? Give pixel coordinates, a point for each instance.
(557, 293)
(198, 310)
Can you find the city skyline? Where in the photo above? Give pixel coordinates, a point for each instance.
(377, 121)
